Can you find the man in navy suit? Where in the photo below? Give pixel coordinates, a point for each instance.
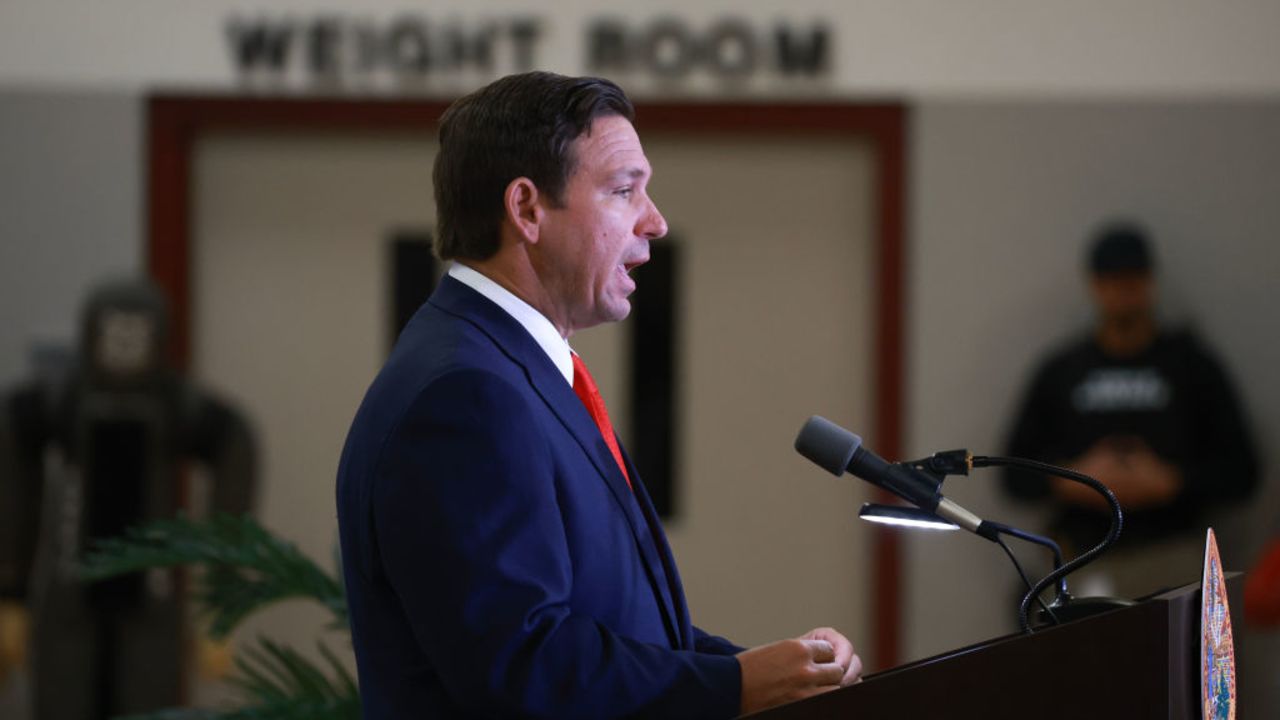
(502, 557)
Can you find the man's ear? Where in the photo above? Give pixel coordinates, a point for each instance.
(523, 211)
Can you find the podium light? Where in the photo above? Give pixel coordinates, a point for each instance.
(900, 516)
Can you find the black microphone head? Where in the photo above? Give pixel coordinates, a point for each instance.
(827, 444)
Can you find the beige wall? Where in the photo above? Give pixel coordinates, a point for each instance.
(70, 212)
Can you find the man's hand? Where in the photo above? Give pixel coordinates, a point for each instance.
(790, 670)
(1101, 463)
(845, 656)
(1151, 480)
(1137, 476)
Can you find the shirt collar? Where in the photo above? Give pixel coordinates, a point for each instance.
(534, 322)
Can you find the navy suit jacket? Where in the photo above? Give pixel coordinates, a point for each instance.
(496, 563)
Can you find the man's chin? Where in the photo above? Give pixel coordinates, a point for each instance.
(620, 316)
(617, 311)
(614, 313)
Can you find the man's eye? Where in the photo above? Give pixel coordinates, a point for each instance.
(623, 192)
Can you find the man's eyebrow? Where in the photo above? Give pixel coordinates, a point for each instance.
(627, 173)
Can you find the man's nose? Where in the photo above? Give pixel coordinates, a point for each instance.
(652, 225)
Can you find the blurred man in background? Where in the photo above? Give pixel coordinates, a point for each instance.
(1145, 409)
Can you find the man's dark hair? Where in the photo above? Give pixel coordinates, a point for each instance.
(1120, 248)
(519, 126)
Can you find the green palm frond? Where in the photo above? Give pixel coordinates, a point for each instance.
(246, 567)
(271, 673)
(283, 710)
(277, 683)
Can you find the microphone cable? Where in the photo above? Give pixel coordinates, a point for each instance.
(1113, 533)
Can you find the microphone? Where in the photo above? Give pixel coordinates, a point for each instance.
(838, 451)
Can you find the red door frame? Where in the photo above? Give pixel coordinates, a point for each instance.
(175, 122)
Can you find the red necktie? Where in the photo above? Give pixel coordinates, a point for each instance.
(585, 388)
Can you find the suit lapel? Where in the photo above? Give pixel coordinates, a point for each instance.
(672, 592)
(458, 299)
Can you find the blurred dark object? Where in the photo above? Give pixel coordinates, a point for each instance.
(655, 372)
(415, 271)
(1262, 589)
(85, 453)
(1120, 248)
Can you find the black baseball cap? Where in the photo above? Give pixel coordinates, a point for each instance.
(1120, 248)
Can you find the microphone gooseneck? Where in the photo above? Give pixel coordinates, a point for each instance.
(838, 451)
(1089, 605)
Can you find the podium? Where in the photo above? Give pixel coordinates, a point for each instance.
(1132, 663)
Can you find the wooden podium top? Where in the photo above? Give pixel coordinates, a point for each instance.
(1132, 663)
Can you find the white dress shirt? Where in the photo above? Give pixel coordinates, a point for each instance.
(537, 324)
